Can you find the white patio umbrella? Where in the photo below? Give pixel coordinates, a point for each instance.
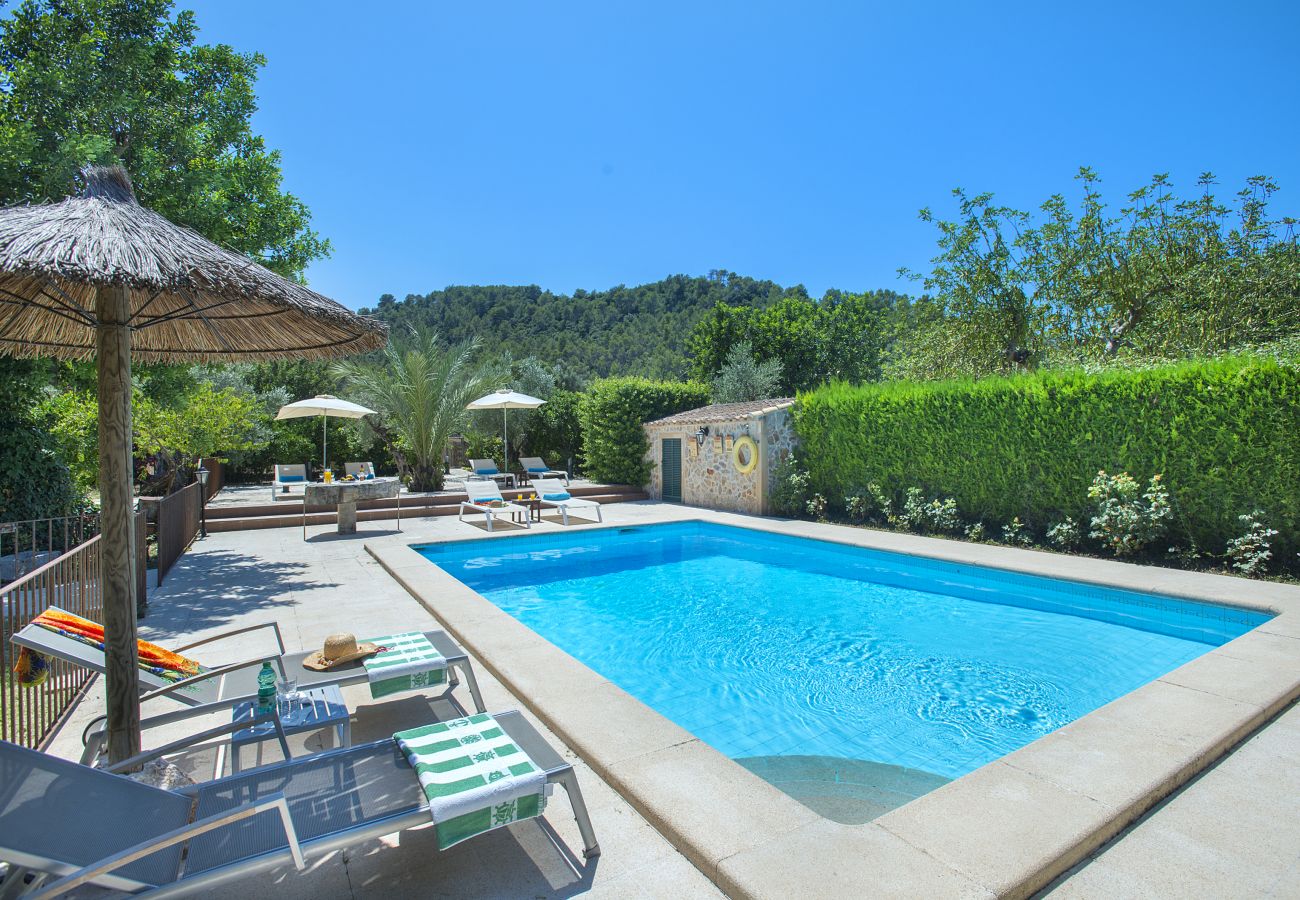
(505, 400)
(323, 405)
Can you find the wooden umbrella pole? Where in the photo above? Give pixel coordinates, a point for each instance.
(117, 540)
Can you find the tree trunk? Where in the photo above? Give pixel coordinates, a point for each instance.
(117, 521)
(426, 476)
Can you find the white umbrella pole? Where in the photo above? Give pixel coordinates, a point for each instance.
(505, 436)
(324, 445)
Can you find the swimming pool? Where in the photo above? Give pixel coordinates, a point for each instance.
(854, 679)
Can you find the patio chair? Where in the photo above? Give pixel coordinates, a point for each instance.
(79, 825)
(359, 470)
(224, 686)
(553, 494)
(487, 468)
(535, 467)
(487, 491)
(294, 474)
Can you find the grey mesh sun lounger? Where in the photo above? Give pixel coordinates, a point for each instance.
(62, 820)
(237, 682)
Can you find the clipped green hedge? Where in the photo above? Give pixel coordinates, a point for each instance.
(611, 414)
(1224, 433)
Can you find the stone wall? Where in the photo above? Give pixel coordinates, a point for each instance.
(709, 475)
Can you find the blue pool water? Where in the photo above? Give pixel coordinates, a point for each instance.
(768, 646)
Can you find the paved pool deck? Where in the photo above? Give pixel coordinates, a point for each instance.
(980, 837)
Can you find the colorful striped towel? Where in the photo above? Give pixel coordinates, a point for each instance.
(408, 664)
(476, 779)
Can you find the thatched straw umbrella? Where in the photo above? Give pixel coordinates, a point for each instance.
(101, 276)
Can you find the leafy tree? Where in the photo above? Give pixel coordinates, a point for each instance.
(1167, 277)
(34, 481)
(844, 336)
(556, 432)
(206, 423)
(420, 389)
(109, 81)
(745, 378)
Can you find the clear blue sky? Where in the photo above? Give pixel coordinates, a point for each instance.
(591, 144)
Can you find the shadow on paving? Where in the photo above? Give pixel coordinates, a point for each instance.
(209, 590)
(361, 534)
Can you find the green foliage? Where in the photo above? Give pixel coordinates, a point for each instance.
(1222, 432)
(1125, 518)
(556, 433)
(843, 336)
(937, 516)
(206, 423)
(638, 330)
(73, 418)
(1065, 535)
(420, 389)
(1249, 552)
(744, 378)
(106, 81)
(34, 481)
(1166, 277)
(790, 488)
(611, 414)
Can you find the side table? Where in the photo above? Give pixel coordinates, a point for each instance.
(319, 707)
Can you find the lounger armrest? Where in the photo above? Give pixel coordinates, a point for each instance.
(211, 673)
(108, 864)
(134, 762)
(274, 626)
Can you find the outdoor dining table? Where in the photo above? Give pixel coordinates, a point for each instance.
(345, 494)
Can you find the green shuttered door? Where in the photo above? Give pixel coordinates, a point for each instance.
(672, 470)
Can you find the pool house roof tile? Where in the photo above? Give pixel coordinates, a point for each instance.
(726, 412)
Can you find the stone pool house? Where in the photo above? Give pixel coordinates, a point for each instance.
(721, 456)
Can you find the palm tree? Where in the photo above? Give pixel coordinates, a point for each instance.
(420, 389)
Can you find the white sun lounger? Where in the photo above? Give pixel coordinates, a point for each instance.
(482, 489)
(549, 486)
(294, 475)
(535, 467)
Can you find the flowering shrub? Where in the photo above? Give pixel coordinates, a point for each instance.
(1249, 553)
(1065, 535)
(790, 488)
(977, 532)
(817, 506)
(934, 515)
(1128, 519)
(1016, 532)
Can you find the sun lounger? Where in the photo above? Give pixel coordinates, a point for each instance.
(488, 468)
(535, 467)
(487, 491)
(286, 476)
(224, 686)
(359, 470)
(61, 820)
(553, 494)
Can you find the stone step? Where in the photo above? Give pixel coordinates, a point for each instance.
(288, 517)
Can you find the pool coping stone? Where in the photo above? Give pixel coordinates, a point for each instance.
(1006, 829)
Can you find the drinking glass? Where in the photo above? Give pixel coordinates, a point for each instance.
(288, 688)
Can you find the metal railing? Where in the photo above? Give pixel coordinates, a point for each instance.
(29, 714)
(27, 545)
(177, 524)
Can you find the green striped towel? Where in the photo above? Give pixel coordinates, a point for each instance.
(476, 779)
(409, 664)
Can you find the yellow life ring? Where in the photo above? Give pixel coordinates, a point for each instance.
(744, 456)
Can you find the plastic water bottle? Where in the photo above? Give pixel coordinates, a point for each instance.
(265, 689)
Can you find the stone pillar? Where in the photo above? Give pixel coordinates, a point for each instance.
(347, 517)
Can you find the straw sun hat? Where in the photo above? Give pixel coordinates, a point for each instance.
(339, 649)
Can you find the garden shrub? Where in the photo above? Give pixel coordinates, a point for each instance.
(1249, 553)
(1223, 433)
(789, 488)
(612, 412)
(1127, 518)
